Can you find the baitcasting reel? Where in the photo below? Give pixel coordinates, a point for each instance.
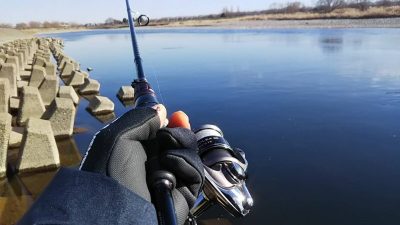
(225, 172)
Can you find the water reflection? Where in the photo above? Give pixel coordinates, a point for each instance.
(69, 152)
(331, 44)
(14, 200)
(126, 103)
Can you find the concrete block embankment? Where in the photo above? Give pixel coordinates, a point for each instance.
(41, 110)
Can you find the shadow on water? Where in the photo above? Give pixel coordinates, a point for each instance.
(104, 118)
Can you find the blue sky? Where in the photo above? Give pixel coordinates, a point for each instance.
(85, 11)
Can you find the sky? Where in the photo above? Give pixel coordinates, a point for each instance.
(91, 11)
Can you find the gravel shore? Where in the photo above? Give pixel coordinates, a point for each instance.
(317, 23)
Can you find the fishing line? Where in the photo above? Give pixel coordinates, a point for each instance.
(153, 72)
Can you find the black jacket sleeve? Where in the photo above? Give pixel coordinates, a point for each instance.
(79, 197)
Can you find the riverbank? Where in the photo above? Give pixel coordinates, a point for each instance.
(10, 34)
(282, 24)
(252, 22)
(314, 23)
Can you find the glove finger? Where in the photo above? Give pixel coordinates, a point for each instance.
(187, 167)
(176, 138)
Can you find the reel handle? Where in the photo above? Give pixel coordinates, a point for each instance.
(163, 182)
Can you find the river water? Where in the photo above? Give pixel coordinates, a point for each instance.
(316, 110)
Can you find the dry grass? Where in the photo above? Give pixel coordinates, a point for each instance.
(346, 13)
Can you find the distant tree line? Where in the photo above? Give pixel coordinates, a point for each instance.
(321, 6)
(46, 24)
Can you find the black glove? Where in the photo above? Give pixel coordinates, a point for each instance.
(121, 151)
(178, 155)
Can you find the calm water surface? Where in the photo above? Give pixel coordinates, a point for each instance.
(317, 111)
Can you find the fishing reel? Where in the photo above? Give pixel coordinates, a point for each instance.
(225, 172)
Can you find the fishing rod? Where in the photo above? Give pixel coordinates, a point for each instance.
(144, 94)
(162, 182)
(225, 167)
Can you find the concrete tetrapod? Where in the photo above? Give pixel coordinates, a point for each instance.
(38, 149)
(68, 92)
(50, 69)
(64, 59)
(67, 69)
(15, 139)
(14, 60)
(5, 130)
(37, 77)
(4, 95)
(49, 89)
(100, 105)
(39, 61)
(61, 114)
(9, 71)
(31, 105)
(76, 79)
(126, 93)
(90, 86)
(14, 104)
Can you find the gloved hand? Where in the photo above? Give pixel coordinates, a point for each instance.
(123, 149)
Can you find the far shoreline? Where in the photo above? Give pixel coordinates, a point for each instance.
(9, 34)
